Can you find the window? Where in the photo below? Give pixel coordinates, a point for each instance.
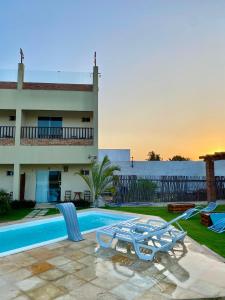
(86, 119)
(12, 118)
(9, 173)
(50, 127)
(84, 172)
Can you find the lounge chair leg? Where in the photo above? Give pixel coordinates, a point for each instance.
(102, 243)
(143, 256)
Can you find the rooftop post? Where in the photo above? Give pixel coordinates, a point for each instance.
(20, 74)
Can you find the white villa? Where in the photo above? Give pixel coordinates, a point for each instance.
(48, 133)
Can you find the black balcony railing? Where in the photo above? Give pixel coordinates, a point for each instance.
(56, 132)
(7, 132)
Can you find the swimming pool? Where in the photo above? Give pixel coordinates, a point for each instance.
(24, 236)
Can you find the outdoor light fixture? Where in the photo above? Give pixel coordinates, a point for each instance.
(65, 168)
(132, 161)
(94, 157)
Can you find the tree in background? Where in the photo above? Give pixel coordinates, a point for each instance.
(179, 158)
(152, 156)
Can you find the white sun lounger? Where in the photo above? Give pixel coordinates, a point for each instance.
(146, 241)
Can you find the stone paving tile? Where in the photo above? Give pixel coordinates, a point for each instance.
(126, 291)
(7, 267)
(3, 281)
(20, 274)
(89, 291)
(42, 254)
(77, 254)
(153, 296)
(30, 283)
(106, 282)
(45, 292)
(206, 288)
(72, 267)
(22, 259)
(22, 297)
(59, 260)
(88, 260)
(89, 249)
(40, 267)
(69, 282)
(87, 273)
(9, 292)
(182, 293)
(52, 246)
(66, 297)
(52, 275)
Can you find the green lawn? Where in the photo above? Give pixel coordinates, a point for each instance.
(200, 233)
(17, 214)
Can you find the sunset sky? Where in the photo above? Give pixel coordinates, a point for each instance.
(162, 65)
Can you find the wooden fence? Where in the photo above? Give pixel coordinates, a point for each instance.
(164, 189)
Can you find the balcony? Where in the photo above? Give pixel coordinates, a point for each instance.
(44, 136)
(7, 135)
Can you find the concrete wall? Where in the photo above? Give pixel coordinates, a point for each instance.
(6, 182)
(168, 168)
(70, 118)
(4, 117)
(114, 154)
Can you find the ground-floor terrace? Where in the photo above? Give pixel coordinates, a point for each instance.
(68, 270)
(45, 183)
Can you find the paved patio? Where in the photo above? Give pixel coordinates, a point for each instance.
(67, 270)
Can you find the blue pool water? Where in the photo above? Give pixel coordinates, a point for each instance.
(19, 237)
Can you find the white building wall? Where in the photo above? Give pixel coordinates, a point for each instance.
(121, 157)
(114, 154)
(168, 168)
(70, 119)
(6, 182)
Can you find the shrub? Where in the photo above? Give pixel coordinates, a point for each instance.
(4, 202)
(81, 203)
(18, 204)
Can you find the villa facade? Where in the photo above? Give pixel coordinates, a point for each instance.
(48, 134)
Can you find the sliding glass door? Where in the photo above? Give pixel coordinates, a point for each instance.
(50, 127)
(48, 186)
(54, 186)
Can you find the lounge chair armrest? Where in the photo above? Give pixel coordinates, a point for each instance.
(126, 226)
(155, 221)
(199, 207)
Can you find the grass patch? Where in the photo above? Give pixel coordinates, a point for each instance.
(15, 214)
(197, 231)
(18, 214)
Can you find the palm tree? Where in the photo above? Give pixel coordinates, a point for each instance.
(100, 179)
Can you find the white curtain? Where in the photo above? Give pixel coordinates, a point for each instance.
(42, 186)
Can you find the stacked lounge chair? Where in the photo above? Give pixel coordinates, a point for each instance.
(218, 220)
(199, 209)
(146, 238)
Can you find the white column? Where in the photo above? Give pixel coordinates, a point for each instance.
(16, 182)
(18, 126)
(20, 76)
